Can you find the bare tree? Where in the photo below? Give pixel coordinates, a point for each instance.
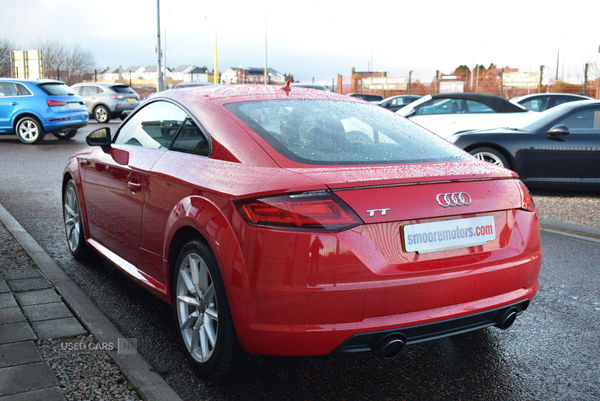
(6, 48)
(67, 64)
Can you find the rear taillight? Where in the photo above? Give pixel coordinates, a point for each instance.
(117, 97)
(526, 199)
(53, 103)
(322, 211)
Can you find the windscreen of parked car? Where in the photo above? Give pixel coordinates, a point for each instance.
(56, 88)
(122, 89)
(342, 133)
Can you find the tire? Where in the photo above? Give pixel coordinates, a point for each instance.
(490, 155)
(202, 315)
(64, 135)
(30, 130)
(73, 224)
(101, 114)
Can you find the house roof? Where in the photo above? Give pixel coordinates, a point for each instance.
(197, 70)
(134, 68)
(182, 68)
(255, 71)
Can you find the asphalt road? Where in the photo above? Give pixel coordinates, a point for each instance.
(551, 352)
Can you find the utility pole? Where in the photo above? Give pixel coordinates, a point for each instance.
(216, 71)
(502, 82)
(557, 63)
(437, 81)
(409, 77)
(266, 74)
(585, 75)
(159, 78)
(541, 77)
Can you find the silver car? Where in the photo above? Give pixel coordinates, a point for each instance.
(107, 100)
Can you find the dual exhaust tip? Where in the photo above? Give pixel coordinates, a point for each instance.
(390, 345)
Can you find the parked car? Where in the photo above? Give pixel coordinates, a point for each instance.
(449, 113)
(107, 100)
(190, 84)
(31, 108)
(545, 101)
(310, 86)
(281, 221)
(367, 97)
(560, 149)
(395, 103)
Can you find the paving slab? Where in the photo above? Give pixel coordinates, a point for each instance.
(47, 394)
(21, 353)
(58, 328)
(7, 301)
(37, 297)
(13, 332)
(22, 378)
(56, 310)
(3, 287)
(28, 284)
(12, 315)
(22, 273)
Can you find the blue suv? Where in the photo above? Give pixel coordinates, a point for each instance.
(32, 107)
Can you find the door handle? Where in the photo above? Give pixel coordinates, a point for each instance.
(14, 103)
(134, 186)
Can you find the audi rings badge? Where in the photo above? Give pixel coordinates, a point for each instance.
(452, 199)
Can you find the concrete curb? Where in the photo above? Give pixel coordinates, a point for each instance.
(574, 231)
(150, 385)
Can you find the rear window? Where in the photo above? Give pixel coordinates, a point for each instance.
(56, 89)
(122, 89)
(342, 133)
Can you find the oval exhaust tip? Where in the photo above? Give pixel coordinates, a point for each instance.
(389, 346)
(507, 319)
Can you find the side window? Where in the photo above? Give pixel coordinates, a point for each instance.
(564, 99)
(191, 140)
(584, 122)
(472, 106)
(23, 91)
(88, 90)
(153, 127)
(8, 89)
(536, 104)
(76, 90)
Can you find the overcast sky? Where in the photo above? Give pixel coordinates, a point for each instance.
(319, 38)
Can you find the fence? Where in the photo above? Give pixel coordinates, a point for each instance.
(495, 81)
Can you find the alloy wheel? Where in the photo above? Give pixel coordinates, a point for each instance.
(72, 218)
(490, 158)
(197, 309)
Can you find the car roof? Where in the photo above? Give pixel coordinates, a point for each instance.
(100, 84)
(33, 81)
(494, 102)
(532, 95)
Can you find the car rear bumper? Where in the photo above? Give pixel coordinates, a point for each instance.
(296, 304)
(61, 122)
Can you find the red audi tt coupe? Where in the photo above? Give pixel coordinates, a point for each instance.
(289, 221)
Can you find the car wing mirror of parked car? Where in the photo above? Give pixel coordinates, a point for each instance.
(557, 130)
(101, 137)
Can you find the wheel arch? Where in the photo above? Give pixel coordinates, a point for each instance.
(198, 218)
(18, 117)
(495, 146)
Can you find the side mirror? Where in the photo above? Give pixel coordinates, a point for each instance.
(557, 130)
(100, 137)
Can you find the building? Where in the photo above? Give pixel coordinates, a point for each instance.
(250, 75)
(195, 75)
(134, 72)
(150, 73)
